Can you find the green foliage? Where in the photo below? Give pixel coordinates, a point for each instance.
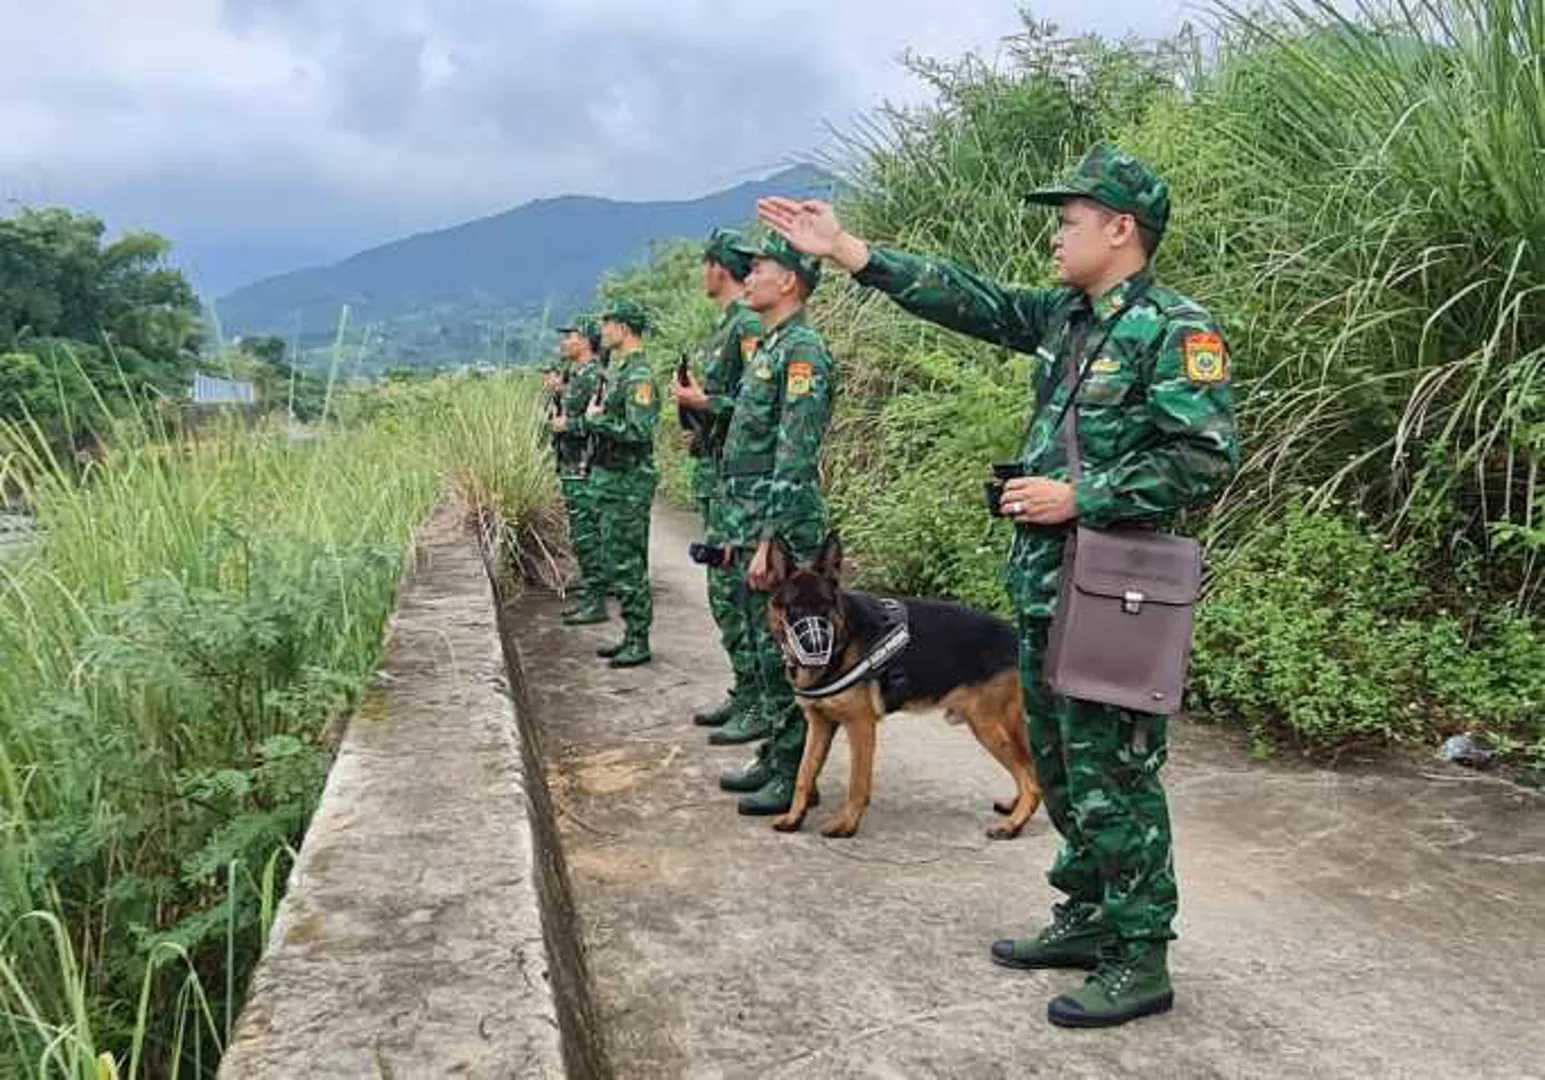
(1319, 633)
(86, 327)
(172, 654)
(1374, 246)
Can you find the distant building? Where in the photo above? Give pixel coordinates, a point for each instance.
(208, 390)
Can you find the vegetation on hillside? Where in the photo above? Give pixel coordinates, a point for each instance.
(1359, 200)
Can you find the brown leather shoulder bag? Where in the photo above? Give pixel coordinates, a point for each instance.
(1121, 633)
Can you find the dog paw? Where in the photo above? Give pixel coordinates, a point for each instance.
(1001, 832)
(787, 823)
(839, 828)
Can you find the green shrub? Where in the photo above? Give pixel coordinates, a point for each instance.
(1323, 635)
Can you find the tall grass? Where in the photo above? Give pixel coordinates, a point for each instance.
(1362, 192)
(172, 652)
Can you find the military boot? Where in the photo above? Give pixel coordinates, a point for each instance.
(718, 716)
(634, 651)
(1073, 940)
(746, 726)
(753, 776)
(774, 797)
(1131, 981)
(587, 613)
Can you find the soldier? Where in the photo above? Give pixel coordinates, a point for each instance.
(725, 267)
(770, 495)
(555, 374)
(1156, 434)
(581, 345)
(623, 475)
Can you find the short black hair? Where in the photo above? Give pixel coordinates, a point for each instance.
(1147, 236)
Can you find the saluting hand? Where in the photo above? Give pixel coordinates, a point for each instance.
(1035, 500)
(811, 226)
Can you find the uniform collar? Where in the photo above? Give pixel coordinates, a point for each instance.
(1115, 299)
(796, 319)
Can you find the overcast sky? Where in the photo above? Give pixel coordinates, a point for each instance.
(265, 134)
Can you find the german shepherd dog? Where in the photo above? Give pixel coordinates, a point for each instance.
(956, 658)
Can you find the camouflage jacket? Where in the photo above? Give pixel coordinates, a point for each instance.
(624, 431)
(1155, 416)
(722, 360)
(770, 472)
(578, 389)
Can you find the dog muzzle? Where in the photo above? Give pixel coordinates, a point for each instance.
(810, 640)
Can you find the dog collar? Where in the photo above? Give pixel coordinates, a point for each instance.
(884, 651)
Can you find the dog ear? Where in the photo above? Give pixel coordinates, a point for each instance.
(829, 562)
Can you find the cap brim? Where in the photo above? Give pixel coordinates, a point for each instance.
(1055, 196)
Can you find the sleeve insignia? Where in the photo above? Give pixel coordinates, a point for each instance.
(643, 393)
(801, 376)
(748, 347)
(1206, 359)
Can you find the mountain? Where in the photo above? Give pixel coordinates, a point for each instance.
(545, 253)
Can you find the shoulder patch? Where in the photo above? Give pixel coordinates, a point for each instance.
(643, 393)
(748, 347)
(801, 378)
(1206, 358)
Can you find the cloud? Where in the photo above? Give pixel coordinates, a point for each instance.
(257, 133)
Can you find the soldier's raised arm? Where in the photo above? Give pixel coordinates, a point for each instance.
(933, 288)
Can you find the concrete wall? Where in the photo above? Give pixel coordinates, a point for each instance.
(426, 930)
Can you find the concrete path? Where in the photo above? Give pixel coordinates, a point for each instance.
(1350, 923)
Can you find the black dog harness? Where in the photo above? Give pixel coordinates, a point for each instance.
(876, 665)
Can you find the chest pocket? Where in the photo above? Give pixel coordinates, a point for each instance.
(1110, 383)
(758, 398)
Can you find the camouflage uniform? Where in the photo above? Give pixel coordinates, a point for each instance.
(578, 496)
(771, 490)
(733, 341)
(623, 478)
(1156, 436)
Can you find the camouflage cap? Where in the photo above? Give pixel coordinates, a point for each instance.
(1115, 180)
(776, 248)
(584, 325)
(629, 313)
(727, 247)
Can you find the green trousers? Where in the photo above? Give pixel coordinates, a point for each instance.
(1098, 768)
(585, 538)
(623, 500)
(728, 609)
(787, 744)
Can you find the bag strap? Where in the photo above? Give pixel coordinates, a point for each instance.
(1069, 409)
